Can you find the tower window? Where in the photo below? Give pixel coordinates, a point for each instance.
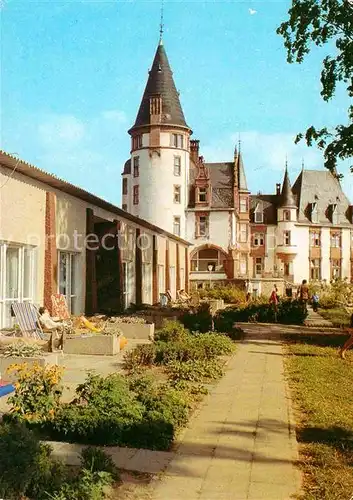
(177, 165)
(125, 207)
(124, 186)
(176, 226)
(137, 142)
(286, 215)
(136, 166)
(177, 194)
(286, 238)
(202, 195)
(177, 141)
(136, 195)
(243, 205)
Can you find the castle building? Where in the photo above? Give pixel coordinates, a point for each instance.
(299, 232)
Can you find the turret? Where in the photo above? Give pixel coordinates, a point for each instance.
(160, 151)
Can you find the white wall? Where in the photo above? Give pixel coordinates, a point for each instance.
(301, 261)
(219, 230)
(325, 253)
(156, 180)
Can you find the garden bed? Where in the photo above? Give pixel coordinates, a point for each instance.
(47, 359)
(100, 345)
(145, 408)
(137, 330)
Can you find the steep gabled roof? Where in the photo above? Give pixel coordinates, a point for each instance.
(160, 82)
(323, 189)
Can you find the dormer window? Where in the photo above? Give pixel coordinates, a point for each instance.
(314, 213)
(335, 214)
(258, 214)
(202, 195)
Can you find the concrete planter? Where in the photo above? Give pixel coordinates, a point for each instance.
(102, 345)
(45, 360)
(137, 330)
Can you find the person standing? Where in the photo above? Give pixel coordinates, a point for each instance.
(274, 299)
(349, 341)
(304, 294)
(315, 300)
(249, 290)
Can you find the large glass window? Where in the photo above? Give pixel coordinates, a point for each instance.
(335, 240)
(315, 269)
(212, 257)
(17, 278)
(315, 239)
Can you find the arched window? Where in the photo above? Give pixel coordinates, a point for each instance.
(286, 215)
(208, 260)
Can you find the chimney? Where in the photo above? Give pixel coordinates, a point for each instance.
(194, 150)
(278, 189)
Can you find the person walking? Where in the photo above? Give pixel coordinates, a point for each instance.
(304, 295)
(274, 299)
(315, 301)
(349, 341)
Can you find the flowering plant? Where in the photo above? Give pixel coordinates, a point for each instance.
(37, 391)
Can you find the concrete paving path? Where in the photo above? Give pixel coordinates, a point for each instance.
(314, 319)
(241, 444)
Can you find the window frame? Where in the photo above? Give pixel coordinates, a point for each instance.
(124, 207)
(335, 240)
(315, 239)
(71, 262)
(177, 165)
(177, 140)
(177, 194)
(286, 215)
(176, 224)
(217, 262)
(259, 261)
(203, 193)
(315, 269)
(125, 186)
(243, 230)
(333, 268)
(287, 238)
(243, 205)
(136, 166)
(260, 236)
(136, 195)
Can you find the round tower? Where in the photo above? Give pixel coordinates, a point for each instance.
(157, 176)
(286, 230)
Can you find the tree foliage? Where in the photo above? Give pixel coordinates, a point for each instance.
(327, 23)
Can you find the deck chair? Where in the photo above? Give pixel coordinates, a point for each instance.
(27, 319)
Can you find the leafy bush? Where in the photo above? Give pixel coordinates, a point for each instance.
(37, 392)
(25, 467)
(23, 350)
(87, 485)
(96, 460)
(144, 354)
(228, 293)
(197, 318)
(289, 312)
(171, 331)
(338, 293)
(195, 370)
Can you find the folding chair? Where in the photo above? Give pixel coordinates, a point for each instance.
(60, 309)
(27, 319)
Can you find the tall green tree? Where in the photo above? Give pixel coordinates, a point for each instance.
(326, 23)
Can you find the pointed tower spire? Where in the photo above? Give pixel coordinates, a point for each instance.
(161, 26)
(160, 84)
(287, 197)
(241, 172)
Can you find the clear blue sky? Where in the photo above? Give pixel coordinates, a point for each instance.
(73, 74)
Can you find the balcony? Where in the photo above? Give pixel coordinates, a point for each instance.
(286, 253)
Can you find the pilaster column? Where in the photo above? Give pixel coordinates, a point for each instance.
(155, 271)
(91, 279)
(50, 256)
(138, 268)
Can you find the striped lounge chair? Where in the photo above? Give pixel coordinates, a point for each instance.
(27, 318)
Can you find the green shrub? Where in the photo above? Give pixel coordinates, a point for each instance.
(88, 485)
(289, 312)
(213, 344)
(25, 464)
(228, 293)
(171, 331)
(96, 460)
(197, 318)
(23, 350)
(195, 370)
(142, 355)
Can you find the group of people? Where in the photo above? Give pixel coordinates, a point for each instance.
(303, 295)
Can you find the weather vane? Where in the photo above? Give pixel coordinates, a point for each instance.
(161, 25)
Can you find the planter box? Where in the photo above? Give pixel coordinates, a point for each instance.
(102, 345)
(137, 330)
(48, 359)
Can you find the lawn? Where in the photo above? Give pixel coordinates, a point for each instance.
(338, 316)
(321, 385)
